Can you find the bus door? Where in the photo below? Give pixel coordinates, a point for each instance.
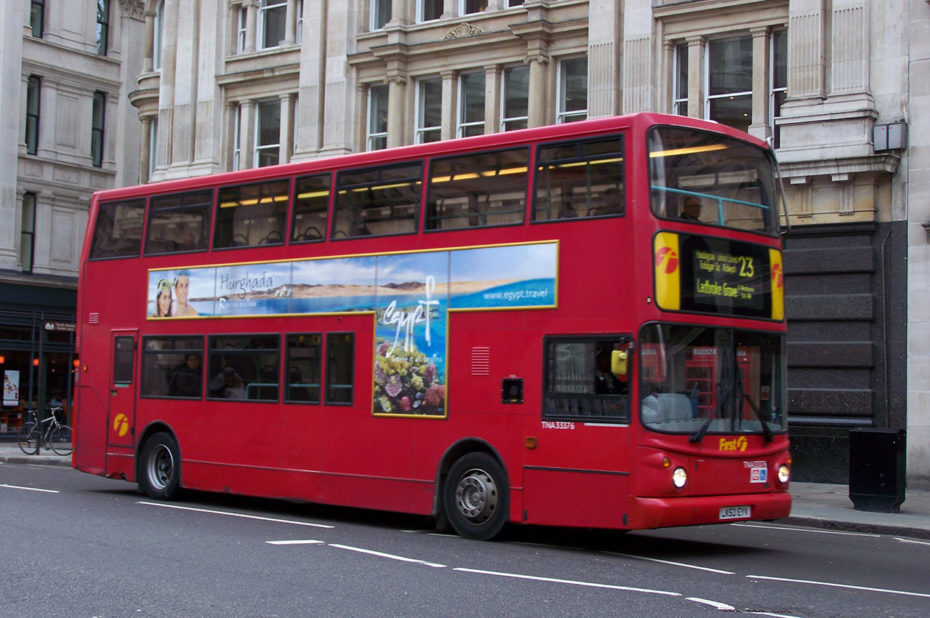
(121, 410)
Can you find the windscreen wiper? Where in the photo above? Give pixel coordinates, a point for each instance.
(765, 426)
(699, 434)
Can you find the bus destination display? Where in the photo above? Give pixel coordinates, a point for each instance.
(723, 276)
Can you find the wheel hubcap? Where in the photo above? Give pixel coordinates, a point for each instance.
(161, 467)
(476, 496)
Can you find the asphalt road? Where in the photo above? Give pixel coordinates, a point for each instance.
(79, 545)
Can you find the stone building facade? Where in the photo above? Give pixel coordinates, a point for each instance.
(66, 130)
(840, 86)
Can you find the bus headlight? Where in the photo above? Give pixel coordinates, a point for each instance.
(784, 474)
(679, 477)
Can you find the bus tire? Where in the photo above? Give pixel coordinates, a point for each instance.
(160, 467)
(475, 496)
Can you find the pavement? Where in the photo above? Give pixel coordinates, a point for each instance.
(820, 505)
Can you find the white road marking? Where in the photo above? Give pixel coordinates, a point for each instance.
(773, 615)
(715, 604)
(915, 541)
(678, 564)
(296, 542)
(569, 581)
(847, 586)
(390, 556)
(45, 491)
(242, 515)
(812, 530)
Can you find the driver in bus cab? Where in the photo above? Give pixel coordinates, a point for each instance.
(691, 209)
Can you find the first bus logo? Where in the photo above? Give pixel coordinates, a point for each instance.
(667, 259)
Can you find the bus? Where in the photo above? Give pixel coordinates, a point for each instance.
(578, 325)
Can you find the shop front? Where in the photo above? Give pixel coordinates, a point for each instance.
(37, 359)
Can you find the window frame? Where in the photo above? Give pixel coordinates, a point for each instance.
(580, 398)
(421, 131)
(376, 11)
(37, 18)
(463, 125)
(103, 27)
(373, 137)
(300, 234)
(27, 231)
(564, 115)
(133, 249)
(464, 10)
(177, 202)
(265, 9)
(33, 113)
(215, 354)
(329, 371)
(158, 28)
(422, 6)
(341, 208)
(520, 122)
(261, 149)
(147, 373)
(98, 125)
(741, 94)
(278, 210)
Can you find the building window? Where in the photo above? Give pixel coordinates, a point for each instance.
(267, 133)
(298, 36)
(429, 110)
(28, 234)
(428, 10)
(241, 29)
(471, 104)
(159, 27)
(380, 14)
(103, 26)
(515, 102)
(573, 90)
(511, 3)
(237, 138)
(272, 18)
(37, 18)
(96, 130)
(33, 96)
(377, 117)
(729, 81)
(467, 7)
(680, 87)
(779, 80)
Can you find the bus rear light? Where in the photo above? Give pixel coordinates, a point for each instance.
(679, 477)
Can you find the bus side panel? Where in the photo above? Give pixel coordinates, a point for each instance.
(90, 436)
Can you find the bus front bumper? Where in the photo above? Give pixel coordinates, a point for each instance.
(699, 510)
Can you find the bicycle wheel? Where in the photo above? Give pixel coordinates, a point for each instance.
(28, 438)
(60, 440)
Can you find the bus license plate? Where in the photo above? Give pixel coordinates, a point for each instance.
(734, 512)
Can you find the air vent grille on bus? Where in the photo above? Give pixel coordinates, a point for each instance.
(480, 361)
(93, 318)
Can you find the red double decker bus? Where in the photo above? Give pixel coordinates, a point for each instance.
(576, 325)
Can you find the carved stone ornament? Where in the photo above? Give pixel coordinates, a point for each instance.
(133, 8)
(462, 31)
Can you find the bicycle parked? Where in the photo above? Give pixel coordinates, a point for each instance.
(49, 432)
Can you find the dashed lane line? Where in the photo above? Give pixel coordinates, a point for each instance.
(46, 491)
(240, 515)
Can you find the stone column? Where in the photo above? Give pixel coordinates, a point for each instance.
(398, 12)
(849, 69)
(148, 54)
(761, 73)
(449, 104)
(450, 9)
(397, 90)
(696, 77)
(145, 149)
(290, 23)
(12, 127)
(251, 26)
(539, 67)
(806, 51)
(492, 98)
(286, 129)
(246, 134)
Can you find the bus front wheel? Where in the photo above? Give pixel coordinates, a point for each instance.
(160, 467)
(475, 496)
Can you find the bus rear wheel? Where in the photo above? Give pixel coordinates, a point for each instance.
(476, 496)
(160, 467)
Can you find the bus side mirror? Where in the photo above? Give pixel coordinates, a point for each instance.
(619, 359)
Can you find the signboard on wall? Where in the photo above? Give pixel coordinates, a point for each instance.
(11, 387)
